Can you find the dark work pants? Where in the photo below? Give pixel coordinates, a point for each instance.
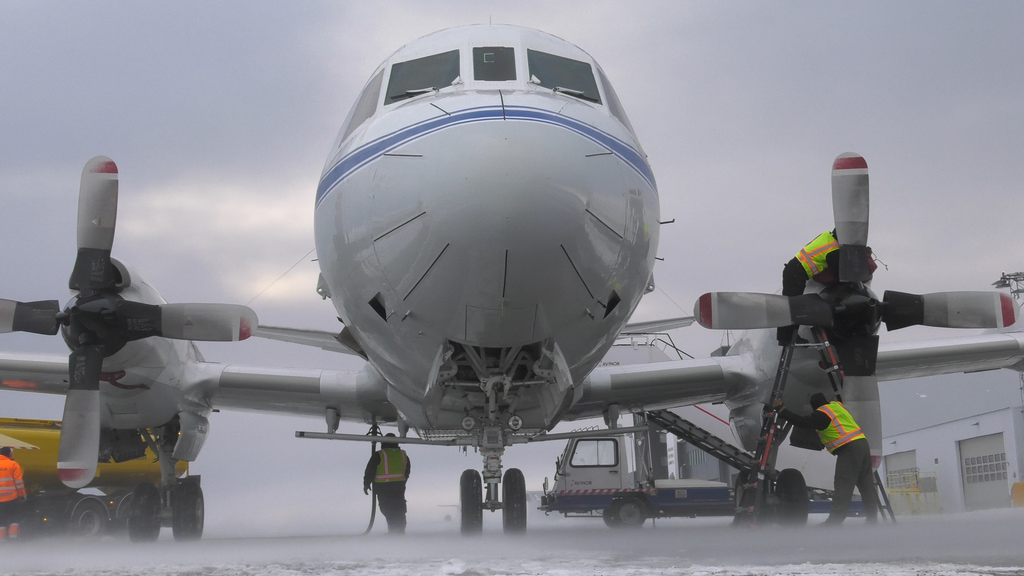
(853, 468)
(794, 281)
(391, 500)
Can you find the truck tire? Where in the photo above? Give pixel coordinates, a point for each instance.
(144, 514)
(513, 495)
(610, 519)
(89, 518)
(794, 502)
(471, 503)
(630, 513)
(187, 512)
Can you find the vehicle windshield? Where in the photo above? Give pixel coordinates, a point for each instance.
(595, 453)
(415, 77)
(564, 75)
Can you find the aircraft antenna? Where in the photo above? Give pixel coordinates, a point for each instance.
(271, 285)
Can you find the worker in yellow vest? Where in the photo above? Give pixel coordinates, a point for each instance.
(841, 435)
(12, 494)
(387, 472)
(818, 260)
(819, 255)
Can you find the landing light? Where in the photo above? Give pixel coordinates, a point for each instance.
(515, 423)
(468, 423)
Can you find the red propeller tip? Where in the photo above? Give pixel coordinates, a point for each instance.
(1009, 310)
(103, 167)
(244, 329)
(704, 311)
(72, 475)
(850, 163)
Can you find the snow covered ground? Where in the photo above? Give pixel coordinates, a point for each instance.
(988, 543)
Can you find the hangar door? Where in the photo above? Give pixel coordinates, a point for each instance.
(901, 470)
(983, 472)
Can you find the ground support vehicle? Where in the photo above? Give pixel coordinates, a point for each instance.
(125, 496)
(593, 479)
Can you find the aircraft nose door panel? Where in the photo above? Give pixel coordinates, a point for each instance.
(506, 205)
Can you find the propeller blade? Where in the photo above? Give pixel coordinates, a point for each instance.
(949, 310)
(79, 446)
(858, 355)
(208, 322)
(35, 317)
(850, 208)
(97, 215)
(860, 396)
(751, 310)
(139, 320)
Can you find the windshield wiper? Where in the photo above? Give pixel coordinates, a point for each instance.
(575, 93)
(414, 92)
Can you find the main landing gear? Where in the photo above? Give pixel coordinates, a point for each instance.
(177, 502)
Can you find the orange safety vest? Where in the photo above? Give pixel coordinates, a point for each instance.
(812, 256)
(12, 486)
(841, 430)
(392, 465)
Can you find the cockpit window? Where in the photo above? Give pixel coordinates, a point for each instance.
(494, 63)
(614, 106)
(565, 75)
(365, 106)
(415, 77)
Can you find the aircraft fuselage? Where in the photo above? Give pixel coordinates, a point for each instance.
(477, 233)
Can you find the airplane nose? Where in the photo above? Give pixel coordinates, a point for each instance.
(534, 213)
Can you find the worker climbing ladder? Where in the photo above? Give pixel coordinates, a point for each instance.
(762, 492)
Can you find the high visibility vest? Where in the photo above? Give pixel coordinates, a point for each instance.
(812, 256)
(392, 465)
(841, 430)
(12, 486)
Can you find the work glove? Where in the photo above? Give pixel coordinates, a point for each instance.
(366, 489)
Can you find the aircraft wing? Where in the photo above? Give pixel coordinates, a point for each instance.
(683, 382)
(357, 395)
(653, 326)
(46, 374)
(898, 360)
(341, 342)
(664, 384)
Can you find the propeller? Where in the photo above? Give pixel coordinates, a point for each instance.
(850, 212)
(100, 321)
(848, 310)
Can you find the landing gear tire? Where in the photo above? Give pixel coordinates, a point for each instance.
(187, 512)
(513, 495)
(794, 502)
(89, 519)
(471, 498)
(144, 514)
(630, 513)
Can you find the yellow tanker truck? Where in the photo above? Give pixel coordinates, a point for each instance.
(104, 506)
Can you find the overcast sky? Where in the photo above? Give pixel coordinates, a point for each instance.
(220, 116)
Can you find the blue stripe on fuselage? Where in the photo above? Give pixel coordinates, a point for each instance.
(373, 150)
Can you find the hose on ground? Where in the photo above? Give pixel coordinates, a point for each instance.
(374, 431)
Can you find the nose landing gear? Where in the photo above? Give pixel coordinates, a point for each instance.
(513, 489)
